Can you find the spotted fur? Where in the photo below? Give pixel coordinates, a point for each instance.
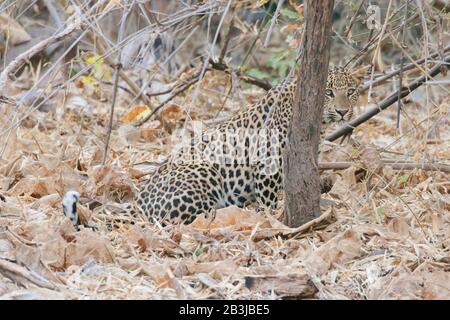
(227, 173)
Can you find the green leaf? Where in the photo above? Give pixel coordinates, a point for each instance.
(281, 62)
(404, 178)
(99, 69)
(290, 37)
(198, 252)
(291, 14)
(379, 214)
(72, 72)
(257, 73)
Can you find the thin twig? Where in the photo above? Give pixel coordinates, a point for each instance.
(308, 225)
(252, 45)
(396, 165)
(117, 68)
(346, 42)
(440, 32)
(407, 67)
(209, 55)
(109, 60)
(163, 63)
(228, 37)
(272, 23)
(111, 115)
(353, 19)
(183, 88)
(374, 39)
(378, 48)
(241, 75)
(217, 66)
(402, 57)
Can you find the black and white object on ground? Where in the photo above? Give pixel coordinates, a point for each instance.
(70, 202)
(70, 207)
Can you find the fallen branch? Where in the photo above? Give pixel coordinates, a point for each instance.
(387, 102)
(293, 285)
(398, 165)
(22, 58)
(308, 225)
(22, 276)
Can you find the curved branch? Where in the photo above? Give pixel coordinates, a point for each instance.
(225, 68)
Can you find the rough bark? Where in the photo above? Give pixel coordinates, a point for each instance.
(301, 182)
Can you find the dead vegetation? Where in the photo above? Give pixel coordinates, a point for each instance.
(385, 228)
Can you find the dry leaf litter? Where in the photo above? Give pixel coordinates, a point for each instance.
(386, 235)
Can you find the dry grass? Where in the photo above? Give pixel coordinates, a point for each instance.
(386, 236)
(384, 233)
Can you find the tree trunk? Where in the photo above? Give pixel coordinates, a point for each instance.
(301, 174)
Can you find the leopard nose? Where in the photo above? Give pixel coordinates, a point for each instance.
(342, 112)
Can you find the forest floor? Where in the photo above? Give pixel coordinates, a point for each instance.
(386, 235)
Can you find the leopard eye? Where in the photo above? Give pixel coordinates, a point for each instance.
(350, 91)
(329, 93)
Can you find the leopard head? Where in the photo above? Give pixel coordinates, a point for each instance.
(341, 95)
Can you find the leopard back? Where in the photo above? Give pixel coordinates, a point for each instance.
(227, 173)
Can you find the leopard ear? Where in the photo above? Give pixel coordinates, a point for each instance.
(357, 75)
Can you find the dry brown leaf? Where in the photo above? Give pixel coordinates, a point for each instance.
(89, 245)
(259, 3)
(150, 134)
(35, 187)
(293, 286)
(51, 200)
(170, 116)
(22, 275)
(171, 111)
(399, 226)
(146, 240)
(34, 294)
(84, 214)
(137, 115)
(298, 8)
(238, 218)
(51, 152)
(223, 268)
(152, 130)
(16, 32)
(345, 182)
(106, 180)
(158, 272)
(425, 283)
(339, 250)
(126, 135)
(31, 258)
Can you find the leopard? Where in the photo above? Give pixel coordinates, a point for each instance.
(243, 169)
